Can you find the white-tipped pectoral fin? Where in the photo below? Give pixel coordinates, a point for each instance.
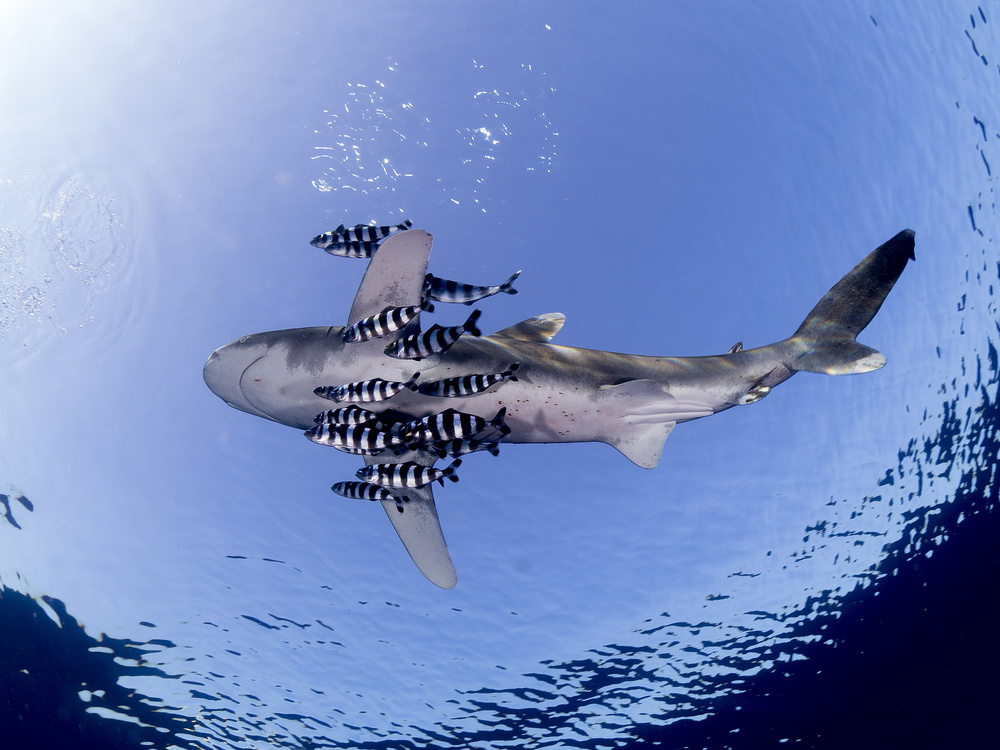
(418, 526)
(395, 275)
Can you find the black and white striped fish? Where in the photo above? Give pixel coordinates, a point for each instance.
(360, 439)
(445, 290)
(365, 391)
(435, 340)
(390, 320)
(352, 249)
(453, 425)
(407, 475)
(346, 415)
(358, 233)
(366, 491)
(459, 447)
(467, 385)
(386, 421)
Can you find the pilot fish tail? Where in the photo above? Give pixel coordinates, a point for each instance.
(435, 340)
(364, 233)
(407, 475)
(390, 320)
(467, 385)
(446, 290)
(460, 447)
(365, 391)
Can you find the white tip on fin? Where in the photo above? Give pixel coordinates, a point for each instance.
(418, 526)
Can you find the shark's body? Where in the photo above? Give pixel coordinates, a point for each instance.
(562, 394)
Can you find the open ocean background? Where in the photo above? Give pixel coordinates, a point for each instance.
(816, 570)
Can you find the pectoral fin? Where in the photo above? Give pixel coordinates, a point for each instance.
(418, 526)
(395, 275)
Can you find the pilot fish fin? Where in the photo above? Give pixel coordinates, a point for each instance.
(395, 275)
(644, 415)
(418, 526)
(825, 342)
(541, 328)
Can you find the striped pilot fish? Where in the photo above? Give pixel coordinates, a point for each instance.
(453, 425)
(407, 475)
(365, 391)
(366, 491)
(457, 447)
(386, 421)
(390, 320)
(445, 290)
(434, 340)
(352, 249)
(346, 415)
(467, 385)
(359, 439)
(358, 233)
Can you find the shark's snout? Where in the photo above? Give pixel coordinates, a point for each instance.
(224, 370)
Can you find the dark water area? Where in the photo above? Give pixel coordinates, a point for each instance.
(44, 668)
(910, 660)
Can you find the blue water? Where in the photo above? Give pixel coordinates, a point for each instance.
(814, 570)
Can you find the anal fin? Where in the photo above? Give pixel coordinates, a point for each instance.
(644, 416)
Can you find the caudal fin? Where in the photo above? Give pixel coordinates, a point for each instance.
(498, 421)
(449, 472)
(470, 326)
(508, 286)
(826, 338)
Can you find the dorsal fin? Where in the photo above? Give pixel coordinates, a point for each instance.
(541, 328)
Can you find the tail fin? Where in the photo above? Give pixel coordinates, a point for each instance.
(470, 325)
(449, 472)
(412, 382)
(826, 338)
(498, 421)
(507, 287)
(405, 225)
(508, 374)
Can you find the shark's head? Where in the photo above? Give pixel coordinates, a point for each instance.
(223, 372)
(274, 375)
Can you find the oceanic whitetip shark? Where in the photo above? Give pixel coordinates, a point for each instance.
(561, 394)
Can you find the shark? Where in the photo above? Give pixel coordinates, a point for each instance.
(561, 394)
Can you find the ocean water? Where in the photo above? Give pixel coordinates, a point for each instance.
(814, 570)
